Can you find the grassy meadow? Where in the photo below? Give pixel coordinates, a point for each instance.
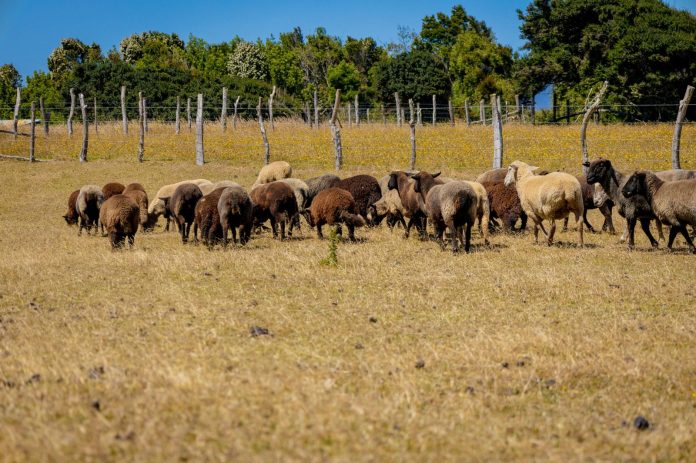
(402, 352)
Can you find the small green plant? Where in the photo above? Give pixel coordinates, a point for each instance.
(332, 258)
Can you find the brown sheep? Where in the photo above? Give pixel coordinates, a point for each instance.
(334, 206)
(317, 184)
(119, 214)
(412, 202)
(139, 197)
(183, 207)
(113, 188)
(235, 211)
(505, 205)
(207, 218)
(365, 191)
(133, 187)
(588, 193)
(276, 202)
(71, 216)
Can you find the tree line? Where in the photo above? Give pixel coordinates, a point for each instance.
(645, 49)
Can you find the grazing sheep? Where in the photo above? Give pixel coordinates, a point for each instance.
(588, 193)
(674, 202)
(89, 200)
(412, 201)
(452, 205)
(317, 184)
(505, 205)
(71, 216)
(365, 191)
(235, 211)
(160, 203)
(134, 187)
(334, 206)
(274, 171)
(633, 209)
(119, 214)
(483, 208)
(547, 197)
(183, 207)
(206, 218)
(492, 176)
(388, 206)
(300, 189)
(209, 187)
(139, 197)
(276, 202)
(113, 188)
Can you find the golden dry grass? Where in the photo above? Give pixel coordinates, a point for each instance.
(159, 335)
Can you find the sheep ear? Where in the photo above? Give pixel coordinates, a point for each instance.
(532, 168)
(436, 174)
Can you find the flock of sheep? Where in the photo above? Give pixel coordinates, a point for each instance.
(497, 199)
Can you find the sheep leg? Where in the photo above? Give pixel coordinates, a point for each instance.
(351, 232)
(467, 237)
(672, 234)
(182, 230)
(114, 240)
(195, 233)
(536, 232)
(225, 230)
(631, 229)
(587, 222)
(608, 222)
(339, 230)
(523, 221)
(282, 230)
(81, 226)
(400, 219)
(552, 231)
(645, 225)
(131, 239)
(578, 224)
(659, 229)
(167, 227)
(453, 234)
(320, 235)
(234, 235)
(685, 233)
(273, 227)
(565, 225)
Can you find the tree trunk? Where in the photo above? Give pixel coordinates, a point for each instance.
(357, 111)
(223, 112)
(482, 113)
(234, 117)
(676, 138)
(451, 111)
(270, 107)
(398, 109)
(590, 108)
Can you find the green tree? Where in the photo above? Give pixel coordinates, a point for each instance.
(417, 75)
(154, 49)
(248, 61)
(71, 53)
(9, 81)
(345, 77)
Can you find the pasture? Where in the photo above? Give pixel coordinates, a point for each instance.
(514, 352)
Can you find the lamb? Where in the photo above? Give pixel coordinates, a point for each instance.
(412, 202)
(139, 197)
(365, 191)
(159, 205)
(72, 216)
(505, 205)
(272, 172)
(588, 193)
(334, 206)
(317, 184)
(235, 211)
(275, 201)
(133, 187)
(89, 201)
(183, 207)
(113, 188)
(119, 214)
(206, 218)
(552, 196)
(673, 202)
(208, 188)
(452, 205)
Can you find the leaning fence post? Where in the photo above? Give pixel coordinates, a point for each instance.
(72, 111)
(223, 113)
(270, 107)
(412, 125)
(234, 117)
(96, 130)
(124, 117)
(336, 131)
(590, 107)
(434, 109)
(85, 129)
(681, 114)
(262, 127)
(199, 132)
(177, 123)
(398, 109)
(32, 140)
(141, 126)
(497, 133)
(15, 119)
(451, 111)
(316, 109)
(466, 112)
(44, 117)
(188, 112)
(482, 112)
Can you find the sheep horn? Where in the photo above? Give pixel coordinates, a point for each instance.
(613, 175)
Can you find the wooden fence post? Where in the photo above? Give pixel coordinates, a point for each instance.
(434, 109)
(357, 110)
(96, 130)
(316, 109)
(124, 116)
(188, 112)
(72, 111)
(567, 115)
(518, 108)
(200, 159)
(270, 107)
(145, 113)
(532, 115)
(336, 131)
(590, 107)
(141, 126)
(451, 111)
(482, 112)
(44, 117)
(466, 112)
(367, 115)
(32, 140)
(555, 103)
(348, 113)
(681, 114)
(85, 129)
(177, 123)
(398, 108)
(262, 127)
(497, 133)
(412, 125)
(419, 116)
(223, 113)
(15, 119)
(234, 117)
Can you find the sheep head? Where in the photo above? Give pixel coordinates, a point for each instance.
(424, 181)
(308, 217)
(70, 219)
(511, 177)
(635, 185)
(599, 197)
(393, 181)
(602, 172)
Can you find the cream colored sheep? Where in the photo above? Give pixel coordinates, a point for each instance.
(274, 171)
(547, 197)
(210, 187)
(158, 206)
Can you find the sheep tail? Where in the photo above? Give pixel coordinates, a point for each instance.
(352, 219)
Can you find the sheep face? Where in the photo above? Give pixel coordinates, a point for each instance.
(601, 172)
(635, 185)
(420, 177)
(511, 177)
(308, 217)
(393, 181)
(70, 220)
(599, 197)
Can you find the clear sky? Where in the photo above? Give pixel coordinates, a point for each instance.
(29, 30)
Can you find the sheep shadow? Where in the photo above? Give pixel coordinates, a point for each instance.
(570, 245)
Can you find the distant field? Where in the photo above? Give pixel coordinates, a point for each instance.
(524, 352)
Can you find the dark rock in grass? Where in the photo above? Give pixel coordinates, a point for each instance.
(420, 363)
(550, 382)
(373, 319)
(258, 331)
(96, 405)
(359, 346)
(640, 423)
(505, 364)
(35, 378)
(469, 390)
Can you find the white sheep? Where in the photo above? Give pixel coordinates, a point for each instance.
(274, 171)
(547, 197)
(210, 187)
(158, 206)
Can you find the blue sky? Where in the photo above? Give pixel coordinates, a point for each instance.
(29, 30)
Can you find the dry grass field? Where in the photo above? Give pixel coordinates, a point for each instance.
(402, 352)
